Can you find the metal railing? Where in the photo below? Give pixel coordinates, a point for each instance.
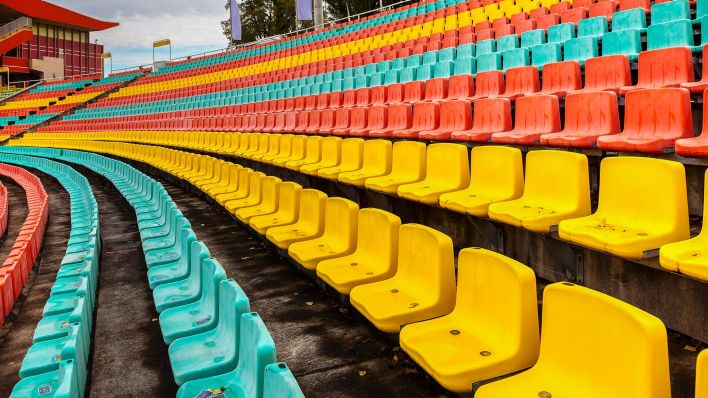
(14, 26)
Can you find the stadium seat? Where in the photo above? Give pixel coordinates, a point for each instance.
(192, 254)
(331, 156)
(408, 165)
(309, 224)
(488, 84)
(374, 258)
(701, 373)
(535, 115)
(255, 193)
(199, 316)
(700, 86)
(256, 349)
(376, 161)
(608, 73)
(545, 202)
(42, 357)
(351, 157)
(688, 256)
(423, 286)
(628, 228)
(496, 175)
(279, 382)
(521, 81)
(491, 115)
(654, 119)
(287, 206)
(312, 154)
(695, 146)
(338, 237)
(268, 203)
(667, 67)
(491, 332)
(588, 115)
(426, 116)
(446, 170)
(400, 117)
(455, 115)
(561, 77)
(183, 291)
(598, 326)
(215, 351)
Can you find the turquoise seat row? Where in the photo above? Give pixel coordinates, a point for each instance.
(214, 339)
(55, 364)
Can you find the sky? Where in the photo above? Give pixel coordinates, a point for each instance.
(193, 27)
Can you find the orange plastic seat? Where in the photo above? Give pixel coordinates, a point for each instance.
(699, 86)
(491, 115)
(696, 146)
(665, 67)
(520, 81)
(426, 116)
(454, 116)
(488, 84)
(535, 115)
(588, 115)
(561, 77)
(607, 73)
(400, 117)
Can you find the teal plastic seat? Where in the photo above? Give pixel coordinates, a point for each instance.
(171, 247)
(279, 382)
(545, 54)
(580, 49)
(596, 26)
(634, 18)
(447, 54)
(489, 61)
(407, 74)
(348, 84)
(443, 69)
(45, 356)
(414, 61)
(186, 290)
(216, 351)
(376, 79)
(383, 66)
(533, 38)
(200, 316)
(430, 57)
(398, 63)
(486, 47)
(623, 42)
(361, 82)
(670, 34)
(515, 57)
(391, 77)
(64, 303)
(58, 326)
(159, 236)
(701, 9)
(465, 66)
(424, 72)
(507, 42)
(561, 32)
(670, 11)
(465, 51)
(256, 350)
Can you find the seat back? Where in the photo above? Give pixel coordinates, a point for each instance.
(562, 77)
(409, 159)
(400, 116)
(492, 115)
(377, 238)
(497, 171)
(377, 156)
(279, 382)
(340, 223)
(331, 151)
(447, 164)
(581, 49)
(658, 113)
(544, 170)
(522, 80)
(489, 84)
(311, 210)
(257, 350)
(607, 73)
(212, 275)
(313, 149)
(233, 302)
(665, 67)
(623, 42)
(297, 150)
(460, 87)
(352, 149)
(591, 113)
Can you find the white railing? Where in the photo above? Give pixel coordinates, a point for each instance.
(18, 24)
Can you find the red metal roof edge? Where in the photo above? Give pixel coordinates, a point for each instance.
(51, 12)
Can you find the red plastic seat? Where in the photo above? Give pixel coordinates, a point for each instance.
(290, 122)
(588, 115)
(583, 3)
(400, 117)
(349, 99)
(335, 100)
(484, 25)
(467, 38)
(524, 26)
(518, 17)
(310, 102)
(629, 4)
(666, 67)
(574, 15)
(499, 22)
(436, 89)
(394, 93)
(484, 34)
(341, 121)
(363, 97)
(534, 115)
(504, 30)
(491, 115)
(454, 116)
(414, 91)
(322, 101)
(602, 9)
(547, 21)
(561, 77)
(327, 118)
(537, 13)
(426, 116)
(365, 119)
(607, 73)
(653, 120)
(696, 146)
(378, 95)
(520, 81)
(303, 119)
(558, 8)
(700, 86)
(460, 87)
(488, 84)
(313, 122)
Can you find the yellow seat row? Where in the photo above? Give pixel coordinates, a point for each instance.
(643, 205)
(402, 278)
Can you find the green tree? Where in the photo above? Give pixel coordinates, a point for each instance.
(262, 18)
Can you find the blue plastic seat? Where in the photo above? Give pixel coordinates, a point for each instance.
(216, 351)
(507, 42)
(57, 326)
(670, 34)
(466, 51)
(634, 18)
(465, 66)
(545, 54)
(623, 42)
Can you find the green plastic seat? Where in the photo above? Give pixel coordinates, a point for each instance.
(489, 61)
(58, 326)
(443, 69)
(424, 72)
(430, 57)
(580, 49)
(184, 291)
(465, 51)
(256, 350)
(177, 269)
(486, 47)
(515, 57)
(199, 316)
(545, 54)
(533, 38)
(414, 61)
(623, 42)
(279, 382)
(507, 42)
(465, 66)
(45, 356)
(216, 351)
(447, 54)
(673, 34)
(407, 74)
(596, 26)
(634, 18)
(561, 32)
(64, 303)
(670, 11)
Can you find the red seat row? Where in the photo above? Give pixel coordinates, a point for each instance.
(18, 264)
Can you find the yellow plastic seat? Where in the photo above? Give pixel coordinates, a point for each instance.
(338, 238)
(252, 147)
(244, 142)
(493, 330)
(557, 188)
(642, 205)
(376, 162)
(309, 224)
(313, 154)
(297, 151)
(447, 169)
(702, 375)
(496, 175)
(351, 154)
(423, 286)
(331, 156)
(407, 166)
(268, 203)
(374, 258)
(255, 190)
(273, 148)
(263, 145)
(288, 204)
(242, 191)
(592, 345)
(689, 257)
(284, 148)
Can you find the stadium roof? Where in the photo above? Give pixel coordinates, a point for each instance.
(44, 11)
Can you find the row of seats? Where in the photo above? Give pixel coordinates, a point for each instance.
(17, 267)
(380, 270)
(56, 362)
(494, 186)
(197, 305)
(3, 210)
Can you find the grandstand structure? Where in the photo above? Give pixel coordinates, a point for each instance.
(447, 198)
